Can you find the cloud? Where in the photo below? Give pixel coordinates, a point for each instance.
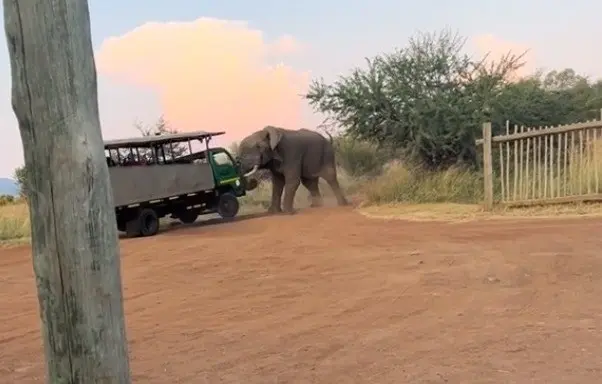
(211, 74)
(287, 45)
(497, 47)
(122, 104)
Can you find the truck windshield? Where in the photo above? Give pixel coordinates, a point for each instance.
(222, 158)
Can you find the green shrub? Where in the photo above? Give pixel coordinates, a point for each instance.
(359, 158)
(400, 183)
(6, 199)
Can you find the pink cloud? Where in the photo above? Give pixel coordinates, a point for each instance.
(287, 45)
(210, 74)
(497, 47)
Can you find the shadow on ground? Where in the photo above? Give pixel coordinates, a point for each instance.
(211, 220)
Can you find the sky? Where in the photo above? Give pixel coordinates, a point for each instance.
(240, 65)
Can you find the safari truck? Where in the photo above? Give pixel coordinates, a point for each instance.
(171, 174)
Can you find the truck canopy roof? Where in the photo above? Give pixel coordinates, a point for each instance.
(149, 141)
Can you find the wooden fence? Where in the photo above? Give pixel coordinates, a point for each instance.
(543, 165)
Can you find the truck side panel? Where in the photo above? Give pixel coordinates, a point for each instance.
(142, 183)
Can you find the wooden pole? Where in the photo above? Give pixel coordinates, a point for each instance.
(74, 235)
(487, 167)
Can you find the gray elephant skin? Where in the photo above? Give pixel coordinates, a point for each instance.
(293, 157)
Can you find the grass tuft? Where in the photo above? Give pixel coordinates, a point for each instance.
(400, 183)
(14, 222)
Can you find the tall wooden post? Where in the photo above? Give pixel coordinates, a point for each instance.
(487, 167)
(74, 235)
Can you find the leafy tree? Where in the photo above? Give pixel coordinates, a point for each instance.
(161, 127)
(20, 176)
(428, 99)
(555, 98)
(359, 158)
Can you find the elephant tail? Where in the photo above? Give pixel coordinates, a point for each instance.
(329, 137)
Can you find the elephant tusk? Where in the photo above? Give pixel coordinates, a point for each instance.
(251, 172)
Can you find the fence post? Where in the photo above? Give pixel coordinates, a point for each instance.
(487, 167)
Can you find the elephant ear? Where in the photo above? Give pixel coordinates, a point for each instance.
(274, 136)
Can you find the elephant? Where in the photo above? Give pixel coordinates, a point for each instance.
(293, 157)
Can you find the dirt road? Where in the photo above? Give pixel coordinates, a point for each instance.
(328, 296)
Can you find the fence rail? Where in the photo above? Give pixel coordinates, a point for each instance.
(542, 165)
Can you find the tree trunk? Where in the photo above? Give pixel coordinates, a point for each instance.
(74, 235)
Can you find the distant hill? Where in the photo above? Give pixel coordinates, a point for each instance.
(8, 187)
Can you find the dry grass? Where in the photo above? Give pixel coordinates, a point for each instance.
(584, 174)
(400, 183)
(408, 193)
(466, 212)
(14, 223)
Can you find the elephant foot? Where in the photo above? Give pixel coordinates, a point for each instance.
(316, 204)
(289, 211)
(343, 203)
(274, 210)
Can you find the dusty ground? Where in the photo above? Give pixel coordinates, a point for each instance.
(330, 296)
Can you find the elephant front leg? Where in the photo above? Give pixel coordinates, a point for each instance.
(290, 189)
(277, 188)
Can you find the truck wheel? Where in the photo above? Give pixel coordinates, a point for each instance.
(227, 206)
(188, 216)
(132, 228)
(149, 222)
(121, 225)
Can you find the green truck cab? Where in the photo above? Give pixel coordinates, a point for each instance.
(171, 175)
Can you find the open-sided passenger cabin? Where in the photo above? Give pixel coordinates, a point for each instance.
(161, 153)
(159, 167)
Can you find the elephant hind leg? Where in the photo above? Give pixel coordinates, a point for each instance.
(330, 175)
(312, 185)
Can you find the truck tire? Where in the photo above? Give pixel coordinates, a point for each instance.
(121, 225)
(227, 206)
(132, 228)
(149, 222)
(145, 223)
